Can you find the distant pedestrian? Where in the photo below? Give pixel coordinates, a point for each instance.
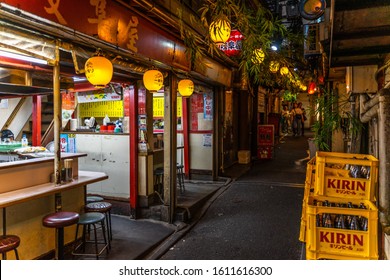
(304, 118)
(296, 119)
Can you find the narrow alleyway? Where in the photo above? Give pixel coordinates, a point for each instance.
(255, 217)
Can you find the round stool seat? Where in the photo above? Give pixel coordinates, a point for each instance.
(90, 218)
(60, 219)
(98, 206)
(93, 198)
(8, 243)
(159, 171)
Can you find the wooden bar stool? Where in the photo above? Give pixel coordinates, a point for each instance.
(60, 220)
(94, 198)
(159, 180)
(86, 220)
(9, 243)
(104, 208)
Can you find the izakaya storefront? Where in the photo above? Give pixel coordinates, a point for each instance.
(126, 39)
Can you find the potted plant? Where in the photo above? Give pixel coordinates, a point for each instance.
(331, 113)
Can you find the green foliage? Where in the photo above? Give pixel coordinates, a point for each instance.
(330, 116)
(289, 96)
(260, 30)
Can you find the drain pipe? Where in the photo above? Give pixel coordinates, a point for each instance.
(384, 161)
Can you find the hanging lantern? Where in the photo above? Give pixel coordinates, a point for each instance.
(219, 31)
(233, 45)
(153, 80)
(186, 87)
(312, 88)
(274, 66)
(98, 71)
(284, 71)
(258, 56)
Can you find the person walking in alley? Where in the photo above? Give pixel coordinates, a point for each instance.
(303, 119)
(296, 119)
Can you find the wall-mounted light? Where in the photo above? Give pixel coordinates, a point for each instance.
(186, 87)
(22, 57)
(98, 71)
(219, 31)
(153, 80)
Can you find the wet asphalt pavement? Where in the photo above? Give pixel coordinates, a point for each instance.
(257, 216)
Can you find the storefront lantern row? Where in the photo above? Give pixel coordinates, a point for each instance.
(153, 80)
(219, 31)
(98, 71)
(233, 45)
(186, 87)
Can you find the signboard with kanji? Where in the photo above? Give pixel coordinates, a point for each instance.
(265, 135)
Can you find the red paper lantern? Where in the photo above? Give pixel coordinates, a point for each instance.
(312, 88)
(233, 45)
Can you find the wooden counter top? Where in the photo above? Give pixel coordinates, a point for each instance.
(37, 160)
(25, 194)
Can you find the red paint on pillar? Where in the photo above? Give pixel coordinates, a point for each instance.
(133, 131)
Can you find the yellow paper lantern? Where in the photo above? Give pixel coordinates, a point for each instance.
(220, 31)
(98, 71)
(274, 66)
(186, 87)
(153, 80)
(284, 71)
(258, 56)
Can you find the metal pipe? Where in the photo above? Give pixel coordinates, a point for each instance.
(57, 117)
(384, 162)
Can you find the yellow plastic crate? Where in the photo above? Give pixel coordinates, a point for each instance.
(336, 182)
(341, 244)
(309, 187)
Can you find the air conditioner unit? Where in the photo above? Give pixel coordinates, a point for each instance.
(312, 44)
(292, 9)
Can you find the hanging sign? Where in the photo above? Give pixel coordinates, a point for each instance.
(208, 106)
(158, 106)
(233, 45)
(101, 109)
(96, 96)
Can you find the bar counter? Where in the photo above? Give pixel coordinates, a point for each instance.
(27, 195)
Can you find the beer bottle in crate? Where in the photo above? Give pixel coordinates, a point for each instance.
(326, 204)
(363, 221)
(348, 219)
(340, 222)
(318, 216)
(354, 225)
(328, 221)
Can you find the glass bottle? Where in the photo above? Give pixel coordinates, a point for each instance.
(24, 141)
(328, 221)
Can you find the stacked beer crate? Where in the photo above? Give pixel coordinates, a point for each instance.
(339, 216)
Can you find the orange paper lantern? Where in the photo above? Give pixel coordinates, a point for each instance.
(219, 31)
(186, 87)
(153, 80)
(258, 56)
(274, 66)
(98, 71)
(284, 71)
